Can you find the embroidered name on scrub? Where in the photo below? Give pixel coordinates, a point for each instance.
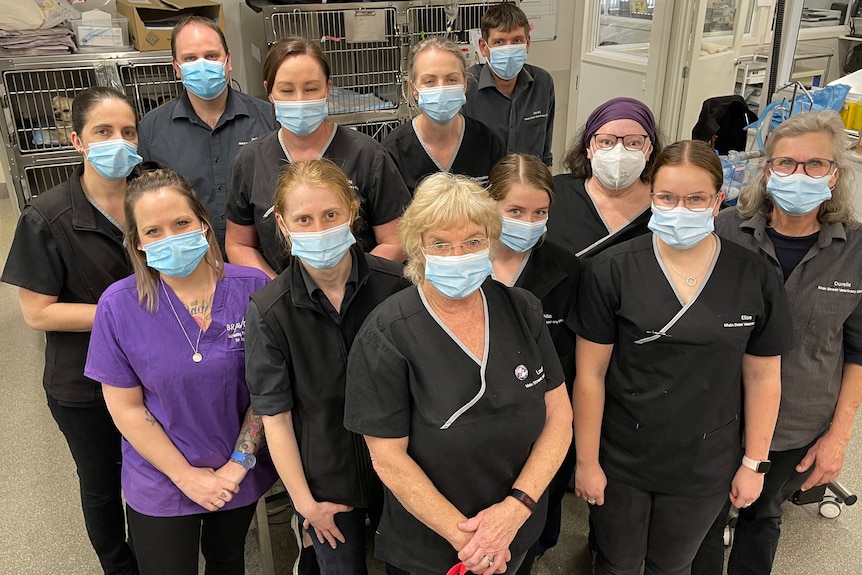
(236, 331)
(840, 287)
(745, 321)
(541, 378)
(551, 320)
(537, 115)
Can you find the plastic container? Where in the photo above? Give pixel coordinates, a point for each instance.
(100, 35)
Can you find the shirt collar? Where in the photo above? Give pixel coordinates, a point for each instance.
(300, 288)
(234, 106)
(486, 78)
(311, 286)
(83, 212)
(756, 225)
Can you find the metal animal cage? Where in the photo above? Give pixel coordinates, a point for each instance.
(149, 86)
(363, 48)
(377, 130)
(37, 93)
(366, 45)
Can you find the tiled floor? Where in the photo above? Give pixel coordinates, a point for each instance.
(42, 533)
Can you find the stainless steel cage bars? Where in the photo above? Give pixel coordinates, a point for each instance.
(36, 94)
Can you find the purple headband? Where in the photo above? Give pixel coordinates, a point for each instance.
(620, 109)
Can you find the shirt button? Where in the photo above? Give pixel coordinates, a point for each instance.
(221, 188)
(216, 160)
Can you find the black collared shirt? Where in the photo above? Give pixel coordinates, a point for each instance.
(176, 137)
(65, 247)
(524, 122)
(319, 298)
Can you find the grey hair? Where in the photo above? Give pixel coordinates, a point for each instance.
(755, 199)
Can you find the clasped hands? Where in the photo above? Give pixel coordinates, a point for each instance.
(488, 535)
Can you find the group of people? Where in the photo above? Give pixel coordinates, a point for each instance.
(434, 334)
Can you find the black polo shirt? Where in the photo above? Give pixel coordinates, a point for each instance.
(671, 419)
(524, 122)
(575, 223)
(256, 169)
(478, 150)
(296, 360)
(65, 247)
(176, 137)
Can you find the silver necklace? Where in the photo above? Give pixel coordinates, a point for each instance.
(196, 356)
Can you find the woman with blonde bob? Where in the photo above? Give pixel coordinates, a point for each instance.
(466, 425)
(524, 191)
(167, 346)
(798, 214)
(440, 138)
(299, 331)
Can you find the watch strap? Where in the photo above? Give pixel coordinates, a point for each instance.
(528, 501)
(247, 460)
(758, 466)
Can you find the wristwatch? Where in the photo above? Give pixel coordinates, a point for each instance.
(247, 460)
(755, 465)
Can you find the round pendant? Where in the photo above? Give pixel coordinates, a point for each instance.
(197, 357)
(689, 281)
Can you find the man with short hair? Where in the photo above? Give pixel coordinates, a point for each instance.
(200, 133)
(514, 99)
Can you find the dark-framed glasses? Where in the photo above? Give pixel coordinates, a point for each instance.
(699, 202)
(470, 246)
(632, 142)
(815, 167)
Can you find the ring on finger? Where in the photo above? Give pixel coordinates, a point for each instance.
(223, 495)
(489, 560)
(591, 501)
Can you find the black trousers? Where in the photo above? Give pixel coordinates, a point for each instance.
(94, 443)
(170, 545)
(758, 527)
(661, 533)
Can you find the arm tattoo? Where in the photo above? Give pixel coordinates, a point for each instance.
(251, 437)
(151, 419)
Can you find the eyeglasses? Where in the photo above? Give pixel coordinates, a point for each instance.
(815, 167)
(632, 142)
(470, 246)
(664, 201)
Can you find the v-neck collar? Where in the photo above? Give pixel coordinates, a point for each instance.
(430, 155)
(189, 324)
(322, 150)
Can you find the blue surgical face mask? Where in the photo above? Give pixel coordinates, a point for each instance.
(302, 117)
(204, 78)
(798, 194)
(322, 250)
(113, 159)
(442, 103)
(456, 277)
(507, 61)
(680, 227)
(520, 236)
(177, 256)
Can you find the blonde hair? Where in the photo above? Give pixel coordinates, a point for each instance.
(444, 201)
(146, 278)
(321, 173)
(439, 43)
(839, 209)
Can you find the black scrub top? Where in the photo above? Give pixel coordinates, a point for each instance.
(408, 377)
(672, 405)
(575, 224)
(258, 165)
(478, 151)
(551, 274)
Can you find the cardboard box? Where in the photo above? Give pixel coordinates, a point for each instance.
(151, 21)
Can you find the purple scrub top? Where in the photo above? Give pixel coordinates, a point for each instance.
(199, 405)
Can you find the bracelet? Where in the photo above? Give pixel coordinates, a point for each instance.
(528, 501)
